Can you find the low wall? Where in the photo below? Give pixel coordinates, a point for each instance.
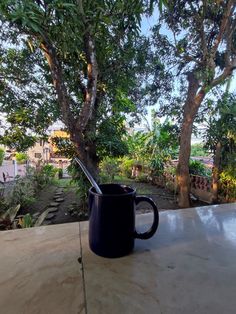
(200, 186)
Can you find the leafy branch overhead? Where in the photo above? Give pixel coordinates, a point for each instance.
(87, 53)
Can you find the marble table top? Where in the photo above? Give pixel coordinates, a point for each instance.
(189, 266)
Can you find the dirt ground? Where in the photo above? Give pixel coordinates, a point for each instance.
(164, 199)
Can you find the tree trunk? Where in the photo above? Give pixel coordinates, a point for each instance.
(192, 103)
(215, 173)
(183, 164)
(81, 127)
(86, 151)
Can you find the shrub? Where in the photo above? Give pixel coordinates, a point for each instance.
(143, 178)
(196, 167)
(126, 165)
(2, 153)
(171, 170)
(228, 183)
(26, 221)
(108, 169)
(82, 183)
(60, 173)
(198, 150)
(44, 176)
(23, 192)
(21, 157)
(157, 165)
(49, 171)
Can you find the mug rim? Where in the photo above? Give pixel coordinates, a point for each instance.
(133, 192)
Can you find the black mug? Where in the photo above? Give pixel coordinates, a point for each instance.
(112, 220)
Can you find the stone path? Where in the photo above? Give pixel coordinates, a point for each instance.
(52, 209)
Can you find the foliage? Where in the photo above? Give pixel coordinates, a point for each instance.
(23, 192)
(21, 157)
(162, 145)
(198, 150)
(7, 217)
(137, 145)
(64, 145)
(196, 167)
(26, 221)
(2, 152)
(60, 47)
(171, 170)
(26, 97)
(157, 164)
(193, 30)
(82, 184)
(110, 137)
(44, 176)
(126, 165)
(198, 47)
(108, 169)
(143, 178)
(221, 134)
(156, 147)
(222, 128)
(3, 204)
(228, 183)
(60, 173)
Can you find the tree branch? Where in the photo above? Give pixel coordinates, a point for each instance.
(90, 93)
(202, 32)
(227, 13)
(59, 85)
(226, 73)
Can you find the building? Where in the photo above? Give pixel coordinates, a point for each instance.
(41, 151)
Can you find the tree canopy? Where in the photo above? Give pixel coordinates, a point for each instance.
(86, 60)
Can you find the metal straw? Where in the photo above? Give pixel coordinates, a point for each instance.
(88, 175)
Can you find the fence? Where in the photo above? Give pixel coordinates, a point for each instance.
(10, 170)
(201, 187)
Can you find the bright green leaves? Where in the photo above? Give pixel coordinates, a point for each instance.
(110, 137)
(222, 123)
(25, 13)
(17, 138)
(123, 103)
(29, 99)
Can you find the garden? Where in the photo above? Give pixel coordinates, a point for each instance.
(130, 83)
(148, 164)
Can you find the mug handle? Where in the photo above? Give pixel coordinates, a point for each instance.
(148, 234)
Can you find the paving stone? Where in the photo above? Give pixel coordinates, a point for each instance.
(53, 204)
(19, 216)
(52, 209)
(59, 199)
(57, 196)
(50, 216)
(36, 215)
(58, 193)
(46, 222)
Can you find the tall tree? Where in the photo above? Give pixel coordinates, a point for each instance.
(27, 101)
(90, 50)
(200, 46)
(221, 138)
